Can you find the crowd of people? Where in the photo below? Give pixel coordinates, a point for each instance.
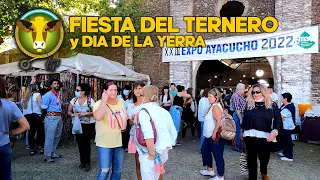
(142, 122)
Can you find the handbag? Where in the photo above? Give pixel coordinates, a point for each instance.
(114, 114)
(139, 133)
(228, 127)
(76, 128)
(243, 161)
(280, 143)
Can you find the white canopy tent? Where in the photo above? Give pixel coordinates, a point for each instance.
(80, 64)
(97, 66)
(13, 69)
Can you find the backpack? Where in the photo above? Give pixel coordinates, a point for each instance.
(228, 127)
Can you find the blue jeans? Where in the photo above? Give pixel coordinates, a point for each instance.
(202, 136)
(5, 162)
(53, 128)
(27, 138)
(238, 130)
(106, 156)
(208, 147)
(176, 113)
(288, 152)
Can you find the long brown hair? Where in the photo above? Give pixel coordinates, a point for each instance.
(189, 91)
(3, 93)
(135, 86)
(32, 88)
(265, 93)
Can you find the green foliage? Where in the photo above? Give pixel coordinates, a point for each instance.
(11, 10)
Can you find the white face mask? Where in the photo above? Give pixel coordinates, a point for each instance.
(126, 92)
(259, 100)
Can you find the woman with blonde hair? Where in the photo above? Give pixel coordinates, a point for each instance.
(261, 123)
(152, 156)
(213, 143)
(31, 104)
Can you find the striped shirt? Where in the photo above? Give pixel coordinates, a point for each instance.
(238, 102)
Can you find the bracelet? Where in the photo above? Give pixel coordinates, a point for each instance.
(276, 131)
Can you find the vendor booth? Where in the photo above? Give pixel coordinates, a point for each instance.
(94, 70)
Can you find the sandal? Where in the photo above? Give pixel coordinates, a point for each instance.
(32, 152)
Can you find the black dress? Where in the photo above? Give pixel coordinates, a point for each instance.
(178, 101)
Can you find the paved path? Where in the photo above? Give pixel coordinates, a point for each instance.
(184, 164)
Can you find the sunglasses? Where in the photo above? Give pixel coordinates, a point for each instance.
(77, 90)
(256, 92)
(246, 92)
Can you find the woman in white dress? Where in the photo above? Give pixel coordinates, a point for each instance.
(153, 157)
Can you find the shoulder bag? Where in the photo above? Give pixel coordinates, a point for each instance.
(139, 133)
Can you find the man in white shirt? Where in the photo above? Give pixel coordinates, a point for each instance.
(273, 95)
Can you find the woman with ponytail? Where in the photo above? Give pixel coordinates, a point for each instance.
(31, 105)
(213, 143)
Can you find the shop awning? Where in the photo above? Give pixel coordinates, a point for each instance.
(80, 64)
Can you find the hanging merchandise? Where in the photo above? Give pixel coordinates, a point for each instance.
(95, 89)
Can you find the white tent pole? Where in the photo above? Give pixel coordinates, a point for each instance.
(78, 78)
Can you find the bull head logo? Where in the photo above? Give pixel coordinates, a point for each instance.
(39, 29)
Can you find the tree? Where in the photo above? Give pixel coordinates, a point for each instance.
(11, 10)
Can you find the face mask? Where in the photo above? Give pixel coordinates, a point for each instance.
(126, 92)
(77, 94)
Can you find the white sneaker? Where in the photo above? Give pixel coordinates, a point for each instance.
(286, 159)
(207, 173)
(281, 154)
(217, 178)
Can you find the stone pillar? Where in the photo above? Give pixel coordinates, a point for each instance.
(294, 71)
(181, 72)
(315, 66)
(128, 62)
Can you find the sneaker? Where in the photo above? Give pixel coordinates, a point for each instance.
(281, 154)
(178, 144)
(41, 151)
(207, 173)
(49, 160)
(217, 178)
(286, 159)
(27, 147)
(56, 157)
(32, 152)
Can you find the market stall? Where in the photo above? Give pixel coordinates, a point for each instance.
(94, 70)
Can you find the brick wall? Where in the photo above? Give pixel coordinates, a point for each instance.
(260, 8)
(149, 60)
(293, 71)
(315, 58)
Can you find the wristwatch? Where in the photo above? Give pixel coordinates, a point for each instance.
(276, 131)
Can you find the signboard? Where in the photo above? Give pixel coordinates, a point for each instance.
(298, 41)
